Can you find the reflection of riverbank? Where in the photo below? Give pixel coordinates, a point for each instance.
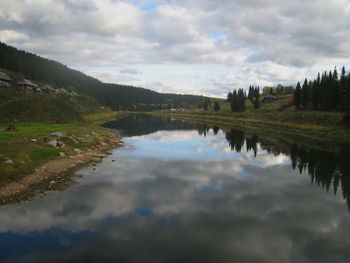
(307, 130)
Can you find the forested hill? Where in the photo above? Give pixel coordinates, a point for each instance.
(48, 71)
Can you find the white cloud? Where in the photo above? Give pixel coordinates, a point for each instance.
(261, 42)
(10, 35)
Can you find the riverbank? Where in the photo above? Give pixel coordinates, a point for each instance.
(311, 125)
(40, 157)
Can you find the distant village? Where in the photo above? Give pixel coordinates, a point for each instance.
(28, 86)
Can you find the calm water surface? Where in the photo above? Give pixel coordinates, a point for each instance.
(186, 192)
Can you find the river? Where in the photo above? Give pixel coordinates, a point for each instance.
(180, 191)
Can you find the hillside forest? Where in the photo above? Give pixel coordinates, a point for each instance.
(46, 71)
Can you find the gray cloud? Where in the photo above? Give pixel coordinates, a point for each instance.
(130, 71)
(237, 34)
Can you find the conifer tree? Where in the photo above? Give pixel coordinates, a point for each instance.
(241, 99)
(322, 91)
(304, 95)
(297, 96)
(216, 106)
(250, 92)
(342, 89)
(254, 96)
(346, 118)
(229, 96)
(206, 104)
(234, 101)
(335, 90)
(329, 91)
(315, 92)
(238, 101)
(257, 98)
(347, 93)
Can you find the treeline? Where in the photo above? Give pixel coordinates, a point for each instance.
(328, 92)
(254, 96)
(43, 70)
(207, 103)
(279, 90)
(152, 107)
(237, 99)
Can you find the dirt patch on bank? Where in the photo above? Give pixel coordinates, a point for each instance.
(53, 173)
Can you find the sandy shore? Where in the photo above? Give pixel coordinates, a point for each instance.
(54, 172)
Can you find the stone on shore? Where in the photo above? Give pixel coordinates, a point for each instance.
(53, 143)
(8, 161)
(101, 155)
(58, 134)
(57, 144)
(60, 144)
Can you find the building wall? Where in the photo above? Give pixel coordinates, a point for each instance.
(5, 84)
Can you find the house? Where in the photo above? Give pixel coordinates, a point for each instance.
(48, 89)
(270, 98)
(60, 92)
(73, 94)
(5, 81)
(27, 86)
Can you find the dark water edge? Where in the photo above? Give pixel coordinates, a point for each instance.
(183, 191)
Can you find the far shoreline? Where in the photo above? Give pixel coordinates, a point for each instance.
(306, 130)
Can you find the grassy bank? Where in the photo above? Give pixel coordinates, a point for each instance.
(102, 116)
(23, 150)
(272, 118)
(36, 117)
(44, 108)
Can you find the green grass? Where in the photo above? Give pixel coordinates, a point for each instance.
(32, 130)
(43, 108)
(279, 115)
(281, 112)
(102, 116)
(41, 154)
(27, 155)
(38, 115)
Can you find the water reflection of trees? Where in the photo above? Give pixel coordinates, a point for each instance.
(326, 169)
(137, 124)
(235, 139)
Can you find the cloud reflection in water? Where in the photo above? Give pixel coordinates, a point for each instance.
(165, 201)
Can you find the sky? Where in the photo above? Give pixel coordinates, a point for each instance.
(203, 47)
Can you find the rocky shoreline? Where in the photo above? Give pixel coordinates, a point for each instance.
(55, 173)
